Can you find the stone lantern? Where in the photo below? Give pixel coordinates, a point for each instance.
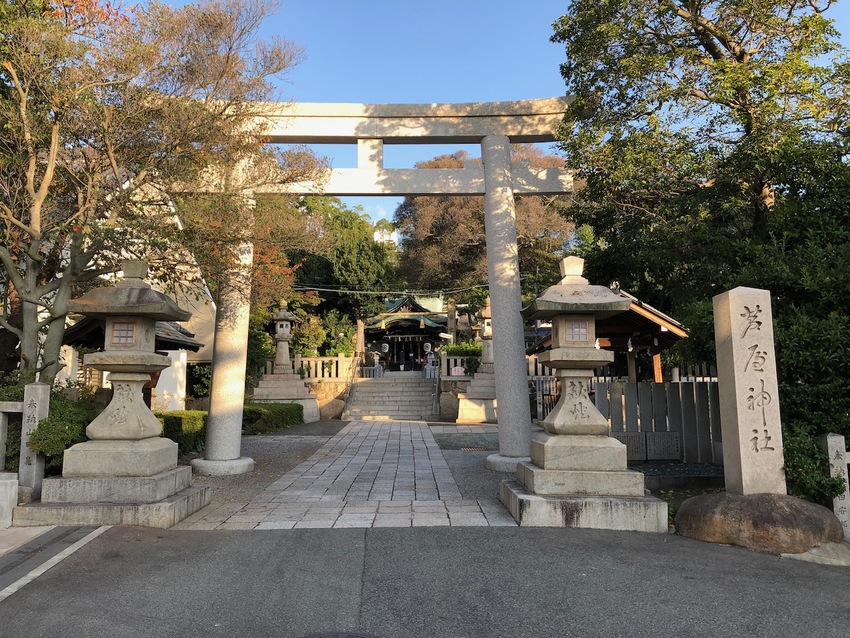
(478, 403)
(283, 385)
(126, 473)
(283, 321)
(578, 476)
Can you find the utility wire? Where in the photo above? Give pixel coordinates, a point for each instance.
(349, 291)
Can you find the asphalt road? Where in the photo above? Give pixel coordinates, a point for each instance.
(429, 582)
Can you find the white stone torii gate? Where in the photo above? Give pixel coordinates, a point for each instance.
(494, 125)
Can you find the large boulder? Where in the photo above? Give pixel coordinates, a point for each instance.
(771, 523)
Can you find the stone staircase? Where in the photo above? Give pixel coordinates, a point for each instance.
(392, 398)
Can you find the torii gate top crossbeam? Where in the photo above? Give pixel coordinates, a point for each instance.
(318, 123)
(371, 126)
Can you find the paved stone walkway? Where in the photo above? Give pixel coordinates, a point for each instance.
(371, 474)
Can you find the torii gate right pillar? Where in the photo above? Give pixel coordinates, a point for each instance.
(512, 405)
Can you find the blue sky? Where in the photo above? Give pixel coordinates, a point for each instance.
(392, 51)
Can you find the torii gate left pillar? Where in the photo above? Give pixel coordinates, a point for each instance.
(495, 126)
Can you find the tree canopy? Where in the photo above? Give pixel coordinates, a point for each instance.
(106, 117)
(710, 139)
(442, 238)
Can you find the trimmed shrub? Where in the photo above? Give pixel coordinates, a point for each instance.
(464, 349)
(259, 418)
(187, 428)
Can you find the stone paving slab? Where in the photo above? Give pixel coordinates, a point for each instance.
(370, 474)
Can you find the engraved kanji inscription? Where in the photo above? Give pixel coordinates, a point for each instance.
(759, 400)
(751, 319)
(761, 441)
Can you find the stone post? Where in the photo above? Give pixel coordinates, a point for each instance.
(4, 433)
(31, 469)
(833, 445)
(749, 399)
(222, 453)
(506, 302)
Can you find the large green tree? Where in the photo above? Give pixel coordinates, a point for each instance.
(348, 267)
(105, 117)
(709, 138)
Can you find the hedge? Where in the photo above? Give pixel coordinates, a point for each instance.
(259, 418)
(187, 428)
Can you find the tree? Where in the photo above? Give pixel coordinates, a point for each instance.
(443, 239)
(348, 259)
(709, 138)
(105, 118)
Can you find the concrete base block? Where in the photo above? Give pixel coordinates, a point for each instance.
(472, 410)
(163, 514)
(8, 497)
(646, 514)
(580, 482)
(118, 489)
(209, 467)
(499, 463)
(120, 458)
(574, 452)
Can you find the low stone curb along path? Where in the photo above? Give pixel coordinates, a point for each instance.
(370, 474)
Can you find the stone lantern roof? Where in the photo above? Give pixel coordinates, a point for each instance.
(283, 314)
(575, 295)
(132, 296)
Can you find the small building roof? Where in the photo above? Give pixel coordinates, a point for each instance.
(89, 332)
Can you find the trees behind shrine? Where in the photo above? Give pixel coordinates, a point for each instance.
(442, 237)
(711, 139)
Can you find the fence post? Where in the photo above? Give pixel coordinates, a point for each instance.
(4, 432)
(31, 468)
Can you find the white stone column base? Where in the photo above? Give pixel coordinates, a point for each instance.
(208, 467)
(500, 463)
(645, 514)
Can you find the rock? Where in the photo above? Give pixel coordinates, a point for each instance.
(771, 523)
(331, 410)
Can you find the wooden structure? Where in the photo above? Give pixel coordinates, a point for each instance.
(641, 328)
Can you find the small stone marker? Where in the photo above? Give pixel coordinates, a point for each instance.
(749, 398)
(31, 466)
(833, 445)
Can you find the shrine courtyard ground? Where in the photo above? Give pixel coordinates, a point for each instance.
(387, 531)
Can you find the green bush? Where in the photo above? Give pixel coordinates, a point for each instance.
(465, 349)
(471, 365)
(64, 426)
(187, 428)
(259, 418)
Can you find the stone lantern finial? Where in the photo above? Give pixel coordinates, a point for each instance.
(572, 268)
(135, 271)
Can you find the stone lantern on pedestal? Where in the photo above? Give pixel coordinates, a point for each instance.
(283, 385)
(577, 476)
(283, 322)
(126, 473)
(478, 403)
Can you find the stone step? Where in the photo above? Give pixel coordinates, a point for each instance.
(392, 417)
(162, 514)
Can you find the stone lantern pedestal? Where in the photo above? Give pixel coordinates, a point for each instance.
(126, 473)
(284, 386)
(478, 403)
(578, 476)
